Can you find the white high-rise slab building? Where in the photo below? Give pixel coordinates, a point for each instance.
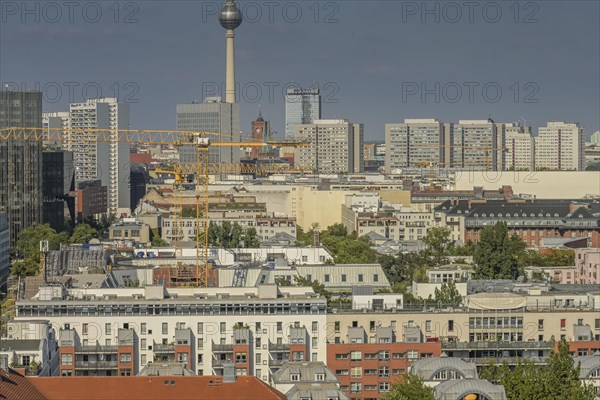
(519, 147)
(332, 148)
(414, 142)
(560, 146)
(477, 144)
(108, 162)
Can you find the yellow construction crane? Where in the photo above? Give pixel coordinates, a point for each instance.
(200, 168)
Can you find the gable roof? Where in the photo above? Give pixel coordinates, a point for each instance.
(153, 388)
(14, 386)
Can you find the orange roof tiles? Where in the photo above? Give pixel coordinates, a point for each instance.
(154, 388)
(14, 386)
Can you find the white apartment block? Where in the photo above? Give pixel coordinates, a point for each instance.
(119, 331)
(476, 144)
(413, 143)
(331, 147)
(519, 147)
(560, 146)
(56, 120)
(108, 162)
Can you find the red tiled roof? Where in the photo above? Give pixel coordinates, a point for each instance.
(154, 388)
(14, 386)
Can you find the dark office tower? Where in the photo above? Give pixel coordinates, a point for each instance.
(58, 189)
(139, 178)
(21, 162)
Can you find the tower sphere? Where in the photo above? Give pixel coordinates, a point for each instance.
(230, 16)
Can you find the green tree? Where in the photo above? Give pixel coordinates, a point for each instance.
(559, 379)
(83, 233)
(411, 387)
(28, 242)
(448, 294)
(317, 287)
(439, 244)
(26, 267)
(405, 267)
(496, 253)
(229, 236)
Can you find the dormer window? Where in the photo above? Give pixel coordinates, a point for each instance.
(295, 377)
(319, 377)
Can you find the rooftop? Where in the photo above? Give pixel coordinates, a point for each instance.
(153, 388)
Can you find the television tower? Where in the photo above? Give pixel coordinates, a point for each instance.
(230, 18)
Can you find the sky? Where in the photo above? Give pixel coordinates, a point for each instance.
(376, 62)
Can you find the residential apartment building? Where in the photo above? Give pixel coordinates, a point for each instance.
(213, 116)
(302, 106)
(415, 142)
(21, 162)
(476, 145)
(519, 145)
(92, 199)
(313, 380)
(128, 229)
(112, 332)
(107, 162)
(587, 262)
(331, 147)
(560, 146)
(56, 120)
(31, 345)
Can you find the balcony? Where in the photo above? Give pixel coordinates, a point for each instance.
(279, 348)
(508, 360)
(276, 362)
(96, 350)
(497, 345)
(222, 348)
(96, 364)
(163, 348)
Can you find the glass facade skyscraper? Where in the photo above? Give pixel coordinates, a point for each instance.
(302, 106)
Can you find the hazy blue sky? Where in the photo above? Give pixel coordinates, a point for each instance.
(371, 58)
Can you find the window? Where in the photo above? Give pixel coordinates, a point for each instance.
(384, 372)
(315, 341)
(355, 387)
(222, 327)
(200, 328)
(384, 386)
(258, 359)
(450, 325)
(85, 329)
(182, 357)
(343, 277)
(356, 372)
(125, 358)
(258, 373)
(336, 325)
(319, 377)
(326, 278)
(66, 359)
(360, 277)
(240, 358)
(304, 258)
(540, 324)
(279, 327)
(257, 327)
(341, 356)
(341, 372)
(315, 357)
(294, 377)
(412, 355)
(315, 326)
(125, 372)
(563, 324)
(428, 326)
(384, 355)
(143, 344)
(375, 277)
(355, 356)
(165, 328)
(143, 328)
(144, 360)
(257, 343)
(200, 343)
(597, 323)
(107, 329)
